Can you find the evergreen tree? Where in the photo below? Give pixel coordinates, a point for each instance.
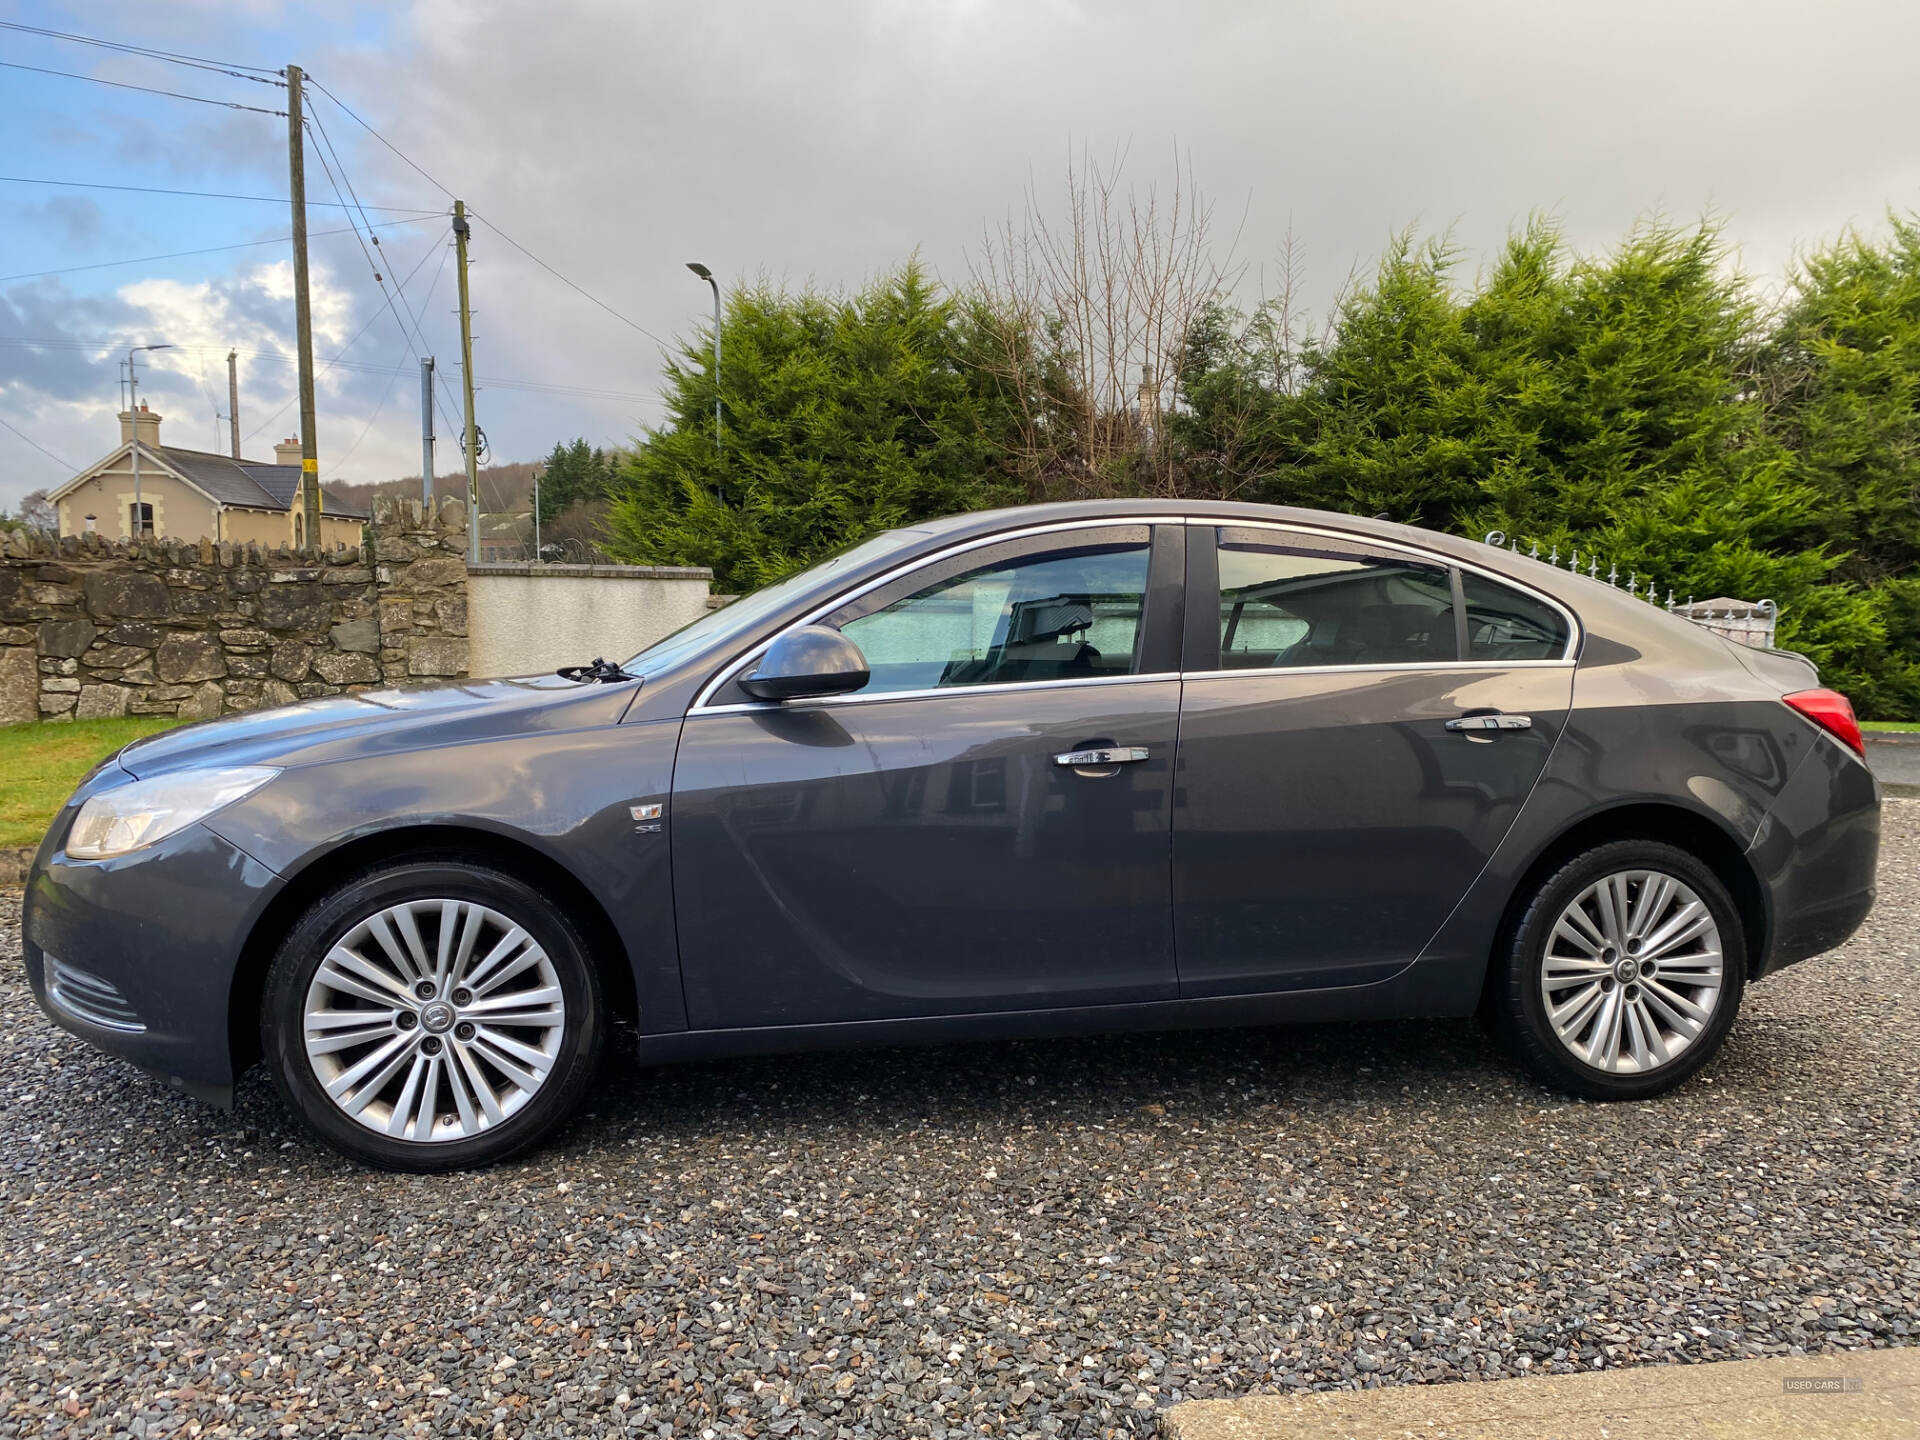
(844, 416)
(572, 474)
(1397, 414)
(1841, 376)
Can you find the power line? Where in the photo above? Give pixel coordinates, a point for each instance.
(318, 126)
(582, 392)
(320, 153)
(351, 114)
(121, 341)
(199, 62)
(564, 281)
(354, 116)
(146, 89)
(367, 428)
(206, 388)
(182, 254)
(425, 300)
(339, 358)
(38, 446)
(338, 362)
(414, 210)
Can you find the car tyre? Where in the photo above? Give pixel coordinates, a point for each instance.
(427, 1074)
(1559, 980)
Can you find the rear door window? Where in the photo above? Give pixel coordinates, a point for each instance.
(1296, 601)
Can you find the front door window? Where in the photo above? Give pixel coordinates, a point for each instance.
(1066, 614)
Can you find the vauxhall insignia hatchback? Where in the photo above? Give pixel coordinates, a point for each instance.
(1083, 767)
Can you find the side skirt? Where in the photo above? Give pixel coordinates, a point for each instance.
(1429, 990)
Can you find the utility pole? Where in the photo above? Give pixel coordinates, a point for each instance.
(426, 430)
(536, 514)
(460, 229)
(303, 313)
(233, 398)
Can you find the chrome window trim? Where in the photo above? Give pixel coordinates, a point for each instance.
(880, 697)
(1408, 668)
(729, 669)
(1574, 630)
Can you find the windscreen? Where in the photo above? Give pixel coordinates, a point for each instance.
(718, 627)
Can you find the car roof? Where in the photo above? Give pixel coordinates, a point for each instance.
(1226, 512)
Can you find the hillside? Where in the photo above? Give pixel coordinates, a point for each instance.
(504, 489)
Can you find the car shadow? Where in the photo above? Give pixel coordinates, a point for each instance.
(1094, 1080)
(1180, 1077)
(1331, 1076)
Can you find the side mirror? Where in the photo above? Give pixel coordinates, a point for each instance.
(806, 661)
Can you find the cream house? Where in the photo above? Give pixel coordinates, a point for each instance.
(195, 494)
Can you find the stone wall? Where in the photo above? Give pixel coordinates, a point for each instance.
(92, 628)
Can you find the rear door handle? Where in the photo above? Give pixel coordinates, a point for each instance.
(1479, 724)
(1105, 755)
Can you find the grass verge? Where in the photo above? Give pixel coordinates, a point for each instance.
(40, 765)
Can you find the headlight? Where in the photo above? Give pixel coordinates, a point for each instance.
(130, 816)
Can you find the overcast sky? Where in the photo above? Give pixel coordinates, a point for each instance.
(822, 141)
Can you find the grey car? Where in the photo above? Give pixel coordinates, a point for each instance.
(1082, 767)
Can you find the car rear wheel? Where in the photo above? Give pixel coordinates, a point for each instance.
(433, 1015)
(1624, 974)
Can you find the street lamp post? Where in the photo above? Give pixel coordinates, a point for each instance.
(136, 521)
(707, 275)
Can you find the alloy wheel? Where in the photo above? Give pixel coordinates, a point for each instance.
(433, 1020)
(1632, 972)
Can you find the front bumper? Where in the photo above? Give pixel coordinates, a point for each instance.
(137, 955)
(1817, 853)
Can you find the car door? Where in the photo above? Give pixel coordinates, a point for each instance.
(984, 826)
(1360, 726)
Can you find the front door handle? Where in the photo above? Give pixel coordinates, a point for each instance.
(1479, 724)
(1102, 755)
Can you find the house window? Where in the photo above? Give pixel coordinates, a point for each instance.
(140, 515)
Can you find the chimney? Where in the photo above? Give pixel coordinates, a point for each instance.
(287, 452)
(149, 427)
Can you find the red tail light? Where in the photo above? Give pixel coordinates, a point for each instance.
(1832, 712)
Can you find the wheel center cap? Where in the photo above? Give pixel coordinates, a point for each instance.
(437, 1018)
(1626, 970)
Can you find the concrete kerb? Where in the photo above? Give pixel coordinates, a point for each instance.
(1860, 1394)
(1894, 758)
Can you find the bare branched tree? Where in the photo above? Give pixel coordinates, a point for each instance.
(37, 512)
(1087, 313)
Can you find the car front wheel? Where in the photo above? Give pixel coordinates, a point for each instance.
(433, 1015)
(1624, 974)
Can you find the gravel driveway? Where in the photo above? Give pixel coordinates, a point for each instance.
(1047, 1238)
